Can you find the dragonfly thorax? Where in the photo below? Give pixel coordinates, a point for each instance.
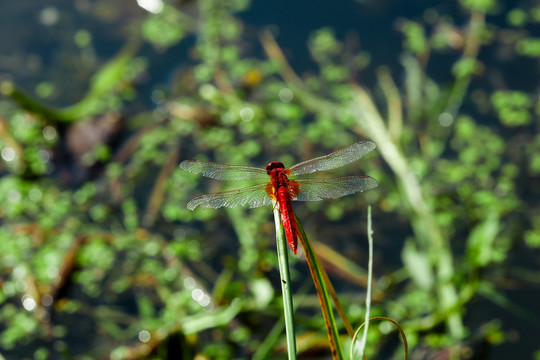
(274, 165)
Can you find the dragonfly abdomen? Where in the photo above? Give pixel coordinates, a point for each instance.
(287, 217)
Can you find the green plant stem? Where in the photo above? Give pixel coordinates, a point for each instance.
(362, 345)
(28, 102)
(394, 104)
(285, 285)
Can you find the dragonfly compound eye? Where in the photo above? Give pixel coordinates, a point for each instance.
(274, 165)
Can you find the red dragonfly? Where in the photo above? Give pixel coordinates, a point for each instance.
(281, 188)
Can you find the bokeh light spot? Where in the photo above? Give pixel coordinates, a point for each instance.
(286, 95)
(144, 336)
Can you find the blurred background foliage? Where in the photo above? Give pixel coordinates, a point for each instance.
(100, 258)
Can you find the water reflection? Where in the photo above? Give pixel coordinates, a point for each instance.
(8, 154)
(153, 6)
(144, 336)
(286, 95)
(49, 16)
(197, 294)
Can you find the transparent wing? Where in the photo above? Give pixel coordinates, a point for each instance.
(333, 160)
(319, 189)
(254, 196)
(222, 171)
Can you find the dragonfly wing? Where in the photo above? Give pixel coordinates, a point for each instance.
(333, 160)
(319, 189)
(254, 196)
(222, 171)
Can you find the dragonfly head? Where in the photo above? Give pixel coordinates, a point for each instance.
(274, 165)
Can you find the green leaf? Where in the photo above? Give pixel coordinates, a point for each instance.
(480, 244)
(417, 265)
(482, 6)
(415, 37)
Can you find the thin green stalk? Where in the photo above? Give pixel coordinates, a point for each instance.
(360, 348)
(285, 285)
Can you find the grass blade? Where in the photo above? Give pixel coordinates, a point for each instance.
(320, 279)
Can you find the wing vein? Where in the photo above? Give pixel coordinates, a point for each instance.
(222, 171)
(333, 160)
